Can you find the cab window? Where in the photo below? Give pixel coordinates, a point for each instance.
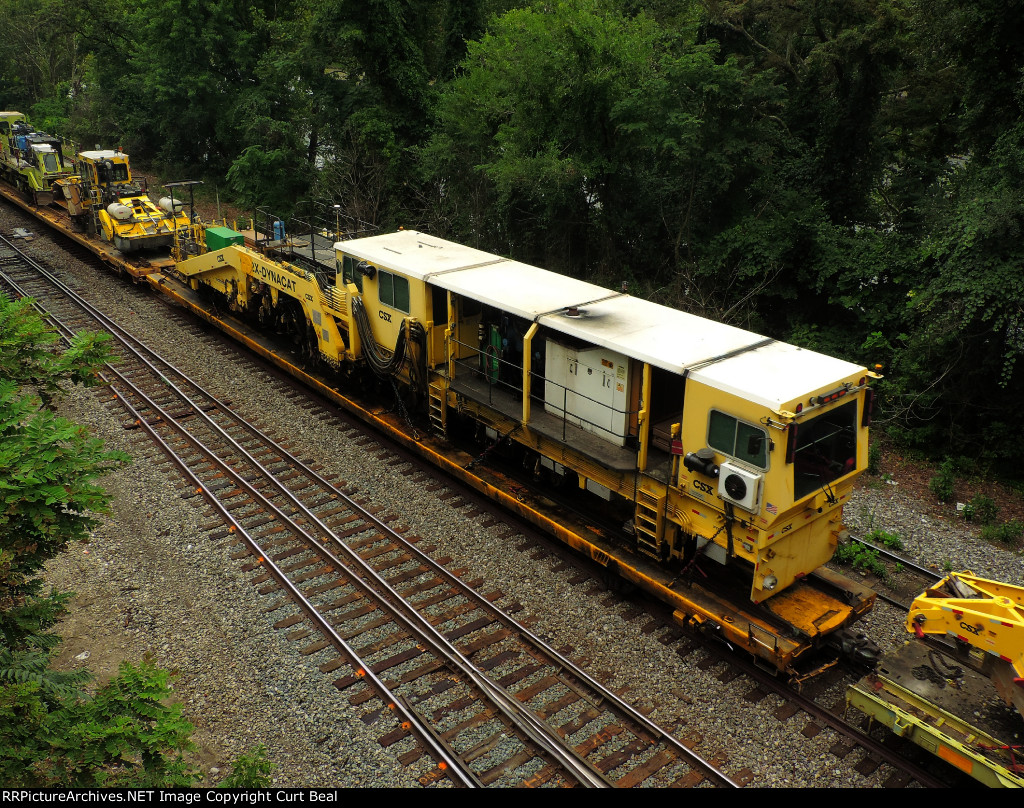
(738, 439)
(393, 290)
(349, 273)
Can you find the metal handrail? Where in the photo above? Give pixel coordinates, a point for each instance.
(472, 365)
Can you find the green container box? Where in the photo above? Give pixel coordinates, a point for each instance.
(217, 238)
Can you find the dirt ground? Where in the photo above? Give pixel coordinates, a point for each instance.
(915, 474)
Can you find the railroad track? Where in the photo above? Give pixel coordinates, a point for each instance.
(817, 712)
(463, 682)
(896, 579)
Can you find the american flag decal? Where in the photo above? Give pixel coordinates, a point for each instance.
(774, 511)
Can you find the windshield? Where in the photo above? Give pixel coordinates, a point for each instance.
(826, 449)
(50, 162)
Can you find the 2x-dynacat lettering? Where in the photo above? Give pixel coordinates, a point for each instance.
(274, 277)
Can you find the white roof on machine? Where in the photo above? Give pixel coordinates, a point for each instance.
(102, 154)
(725, 357)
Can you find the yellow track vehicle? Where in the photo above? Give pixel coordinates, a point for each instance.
(922, 694)
(29, 160)
(719, 447)
(106, 200)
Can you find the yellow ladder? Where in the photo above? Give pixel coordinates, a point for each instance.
(436, 396)
(649, 522)
(95, 203)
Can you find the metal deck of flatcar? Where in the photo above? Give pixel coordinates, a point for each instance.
(947, 709)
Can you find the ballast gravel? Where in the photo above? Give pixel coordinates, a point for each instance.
(151, 582)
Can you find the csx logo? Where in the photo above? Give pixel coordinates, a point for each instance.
(972, 629)
(384, 315)
(700, 485)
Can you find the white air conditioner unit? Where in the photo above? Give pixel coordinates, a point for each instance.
(740, 487)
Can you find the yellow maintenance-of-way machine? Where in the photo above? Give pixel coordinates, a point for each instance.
(105, 200)
(718, 447)
(31, 161)
(957, 687)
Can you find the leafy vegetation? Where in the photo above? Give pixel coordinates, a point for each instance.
(250, 770)
(124, 735)
(1005, 533)
(942, 483)
(874, 459)
(860, 558)
(845, 176)
(48, 494)
(981, 509)
(54, 733)
(889, 540)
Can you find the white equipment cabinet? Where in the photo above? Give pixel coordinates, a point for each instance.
(592, 385)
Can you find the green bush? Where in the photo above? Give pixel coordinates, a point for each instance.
(1006, 533)
(251, 770)
(942, 483)
(981, 509)
(126, 735)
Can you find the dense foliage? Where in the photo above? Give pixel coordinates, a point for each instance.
(53, 733)
(48, 493)
(845, 174)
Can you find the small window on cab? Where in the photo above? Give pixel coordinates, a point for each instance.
(393, 290)
(738, 439)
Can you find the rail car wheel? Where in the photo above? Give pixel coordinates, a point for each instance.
(614, 582)
(311, 345)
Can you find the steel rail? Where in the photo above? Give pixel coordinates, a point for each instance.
(924, 572)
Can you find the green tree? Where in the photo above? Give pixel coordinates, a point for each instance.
(124, 736)
(525, 155)
(48, 466)
(40, 62)
(374, 68)
(54, 735)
